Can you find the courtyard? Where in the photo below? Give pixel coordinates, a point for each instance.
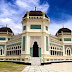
(61, 67)
(54, 67)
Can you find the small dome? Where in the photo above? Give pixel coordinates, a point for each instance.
(35, 13)
(6, 29)
(63, 30)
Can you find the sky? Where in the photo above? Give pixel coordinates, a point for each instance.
(59, 12)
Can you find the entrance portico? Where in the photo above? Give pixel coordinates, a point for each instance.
(35, 46)
(35, 50)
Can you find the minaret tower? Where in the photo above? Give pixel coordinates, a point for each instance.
(35, 33)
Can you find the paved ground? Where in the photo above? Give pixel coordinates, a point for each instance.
(37, 69)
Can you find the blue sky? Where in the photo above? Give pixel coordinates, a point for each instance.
(59, 12)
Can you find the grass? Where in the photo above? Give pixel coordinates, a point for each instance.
(11, 67)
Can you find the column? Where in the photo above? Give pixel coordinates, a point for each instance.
(56, 53)
(8, 53)
(43, 15)
(17, 52)
(27, 14)
(11, 52)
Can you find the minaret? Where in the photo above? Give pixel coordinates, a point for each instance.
(6, 25)
(34, 28)
(35, 8)
(63, 25)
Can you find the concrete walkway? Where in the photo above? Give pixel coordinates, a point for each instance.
(37, 69)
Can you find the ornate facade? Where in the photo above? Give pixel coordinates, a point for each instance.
(35, 41)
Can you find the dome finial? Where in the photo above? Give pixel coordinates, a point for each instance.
(63, 25)
(35, 8)
(6, 25)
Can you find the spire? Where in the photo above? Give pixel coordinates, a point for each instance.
(6, 25)
(35, 8)
(63, 25)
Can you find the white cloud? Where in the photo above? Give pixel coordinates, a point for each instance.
(11, 14)
(54, 27)
(10, 23)
(6, 9)
(31, 4)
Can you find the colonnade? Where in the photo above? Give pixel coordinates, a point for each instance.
(57, 53)
(16, 50)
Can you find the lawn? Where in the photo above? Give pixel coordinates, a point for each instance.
(11, 67)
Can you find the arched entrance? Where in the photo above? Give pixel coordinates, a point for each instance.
(35, 50)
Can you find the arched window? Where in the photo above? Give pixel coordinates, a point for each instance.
(68, 51)
(18, 47)
(12, 47)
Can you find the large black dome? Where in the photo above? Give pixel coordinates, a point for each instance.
(63, 30)
(6, 29)
(35, 13)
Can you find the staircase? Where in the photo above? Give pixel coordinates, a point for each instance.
(35, 61)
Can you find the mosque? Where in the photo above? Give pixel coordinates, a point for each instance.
(35, 41)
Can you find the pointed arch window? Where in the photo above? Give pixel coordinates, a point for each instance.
(68, 51)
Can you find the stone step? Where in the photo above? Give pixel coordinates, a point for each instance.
(35, 61)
